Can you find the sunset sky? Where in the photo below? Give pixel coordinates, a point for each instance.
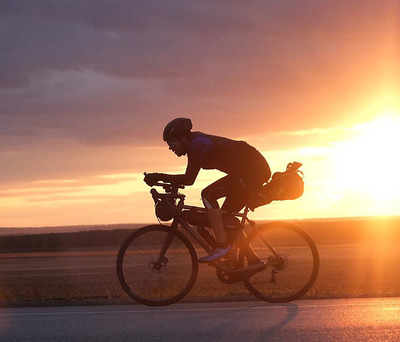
(86, 88)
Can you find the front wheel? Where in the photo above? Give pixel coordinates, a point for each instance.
(292, 263)
(151, 278)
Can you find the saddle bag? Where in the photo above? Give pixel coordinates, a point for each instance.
(287, 185)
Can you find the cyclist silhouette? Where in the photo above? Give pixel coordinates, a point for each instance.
(246, 169)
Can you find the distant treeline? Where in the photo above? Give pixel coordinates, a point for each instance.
(374, 230)
(63, 241)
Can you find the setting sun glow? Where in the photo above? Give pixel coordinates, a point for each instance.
(369, 162)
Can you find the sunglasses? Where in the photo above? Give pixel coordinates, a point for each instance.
(171, 143)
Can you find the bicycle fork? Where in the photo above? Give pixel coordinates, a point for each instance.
(162, 259)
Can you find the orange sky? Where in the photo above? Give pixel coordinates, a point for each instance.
(85, 94)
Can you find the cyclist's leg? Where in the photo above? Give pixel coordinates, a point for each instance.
(235, 188)
(234, 191)
(249, 179)
(210, 196)
(234, 204)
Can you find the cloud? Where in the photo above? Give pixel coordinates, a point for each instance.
(86, 87)
(105, 71)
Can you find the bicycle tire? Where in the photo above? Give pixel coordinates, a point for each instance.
(289, 275)
(146, 280)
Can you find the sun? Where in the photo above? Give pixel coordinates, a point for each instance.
(369, 163)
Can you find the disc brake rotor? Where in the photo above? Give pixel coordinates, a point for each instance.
(158, 266)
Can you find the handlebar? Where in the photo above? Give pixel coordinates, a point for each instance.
(170, 187)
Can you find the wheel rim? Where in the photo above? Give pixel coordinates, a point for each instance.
(151, 280)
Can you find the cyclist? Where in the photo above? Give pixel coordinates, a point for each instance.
(245, 167)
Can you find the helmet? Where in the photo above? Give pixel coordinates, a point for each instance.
(177, 127)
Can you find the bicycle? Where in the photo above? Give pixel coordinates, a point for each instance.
(158, 264)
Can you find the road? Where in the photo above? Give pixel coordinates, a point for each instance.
(303, 320)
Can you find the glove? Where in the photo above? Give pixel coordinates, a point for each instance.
(151, 178)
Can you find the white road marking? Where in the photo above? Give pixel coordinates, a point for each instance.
(208, 309)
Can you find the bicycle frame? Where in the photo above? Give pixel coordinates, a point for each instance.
(179, 221)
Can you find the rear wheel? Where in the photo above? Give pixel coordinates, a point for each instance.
(292, 263)
(150, 278)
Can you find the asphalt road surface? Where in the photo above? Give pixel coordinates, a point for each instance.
(304, 320)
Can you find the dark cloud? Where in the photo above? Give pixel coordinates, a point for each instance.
(113, 72)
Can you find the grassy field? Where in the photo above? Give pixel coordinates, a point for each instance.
(366, 265)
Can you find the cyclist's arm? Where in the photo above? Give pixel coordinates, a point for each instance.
(198, 148)
(188, 178)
